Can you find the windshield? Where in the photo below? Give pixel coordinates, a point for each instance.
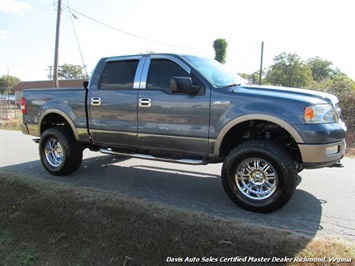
(215, 72)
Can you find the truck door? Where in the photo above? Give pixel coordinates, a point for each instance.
(172, 122)
(113, 104)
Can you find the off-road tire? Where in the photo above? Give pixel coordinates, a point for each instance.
(259, 176)
(60, 153)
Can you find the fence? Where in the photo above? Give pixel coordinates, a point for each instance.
(9, 109)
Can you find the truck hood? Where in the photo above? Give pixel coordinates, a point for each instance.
(304, 95)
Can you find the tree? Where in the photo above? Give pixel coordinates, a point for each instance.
(7, 83)
(289, 71)
(320, 68)
(68, 71)
(220, 48)
(344, 88)
(339, 84)
(254, 77)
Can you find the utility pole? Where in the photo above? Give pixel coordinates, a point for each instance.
(55, 72)
(261, 62)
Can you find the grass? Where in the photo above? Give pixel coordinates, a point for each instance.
(44, 222)
(12, 124)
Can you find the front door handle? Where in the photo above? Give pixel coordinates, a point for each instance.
(96, 101)
(145, 103)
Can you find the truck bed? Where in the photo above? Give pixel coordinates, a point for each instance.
(67, 102)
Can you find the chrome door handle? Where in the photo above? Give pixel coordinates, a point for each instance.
(96, 101)
(145, 103)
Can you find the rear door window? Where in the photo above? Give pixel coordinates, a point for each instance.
(118, 75)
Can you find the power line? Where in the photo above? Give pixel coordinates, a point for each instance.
(131, 34)
(77, 39)
(251, 55)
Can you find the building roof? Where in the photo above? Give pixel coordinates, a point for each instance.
(41, 84)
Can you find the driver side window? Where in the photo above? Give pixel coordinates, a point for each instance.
(160, 72)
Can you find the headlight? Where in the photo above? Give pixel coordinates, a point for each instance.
(320, 113)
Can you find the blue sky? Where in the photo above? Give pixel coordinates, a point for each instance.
(309, 28)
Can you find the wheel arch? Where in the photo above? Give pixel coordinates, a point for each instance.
(56, 118)
(240, 123)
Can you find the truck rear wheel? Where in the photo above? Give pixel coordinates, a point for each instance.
(60, 153)
(259, 176)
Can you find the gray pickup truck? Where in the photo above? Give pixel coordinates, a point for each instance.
(189, 109)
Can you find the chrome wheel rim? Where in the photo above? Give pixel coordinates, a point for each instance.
(256, 179)
(54, 152)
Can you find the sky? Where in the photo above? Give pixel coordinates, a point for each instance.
(91, 29)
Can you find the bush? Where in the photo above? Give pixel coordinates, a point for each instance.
(344, 89)
(347, 105)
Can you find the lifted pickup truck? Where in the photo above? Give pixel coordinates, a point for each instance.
(189, 109)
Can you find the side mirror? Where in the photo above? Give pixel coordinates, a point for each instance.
(183, 85)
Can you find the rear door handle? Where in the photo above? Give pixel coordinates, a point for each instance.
(96, 101)
(145, 103)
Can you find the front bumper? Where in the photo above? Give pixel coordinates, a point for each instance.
(322, 155)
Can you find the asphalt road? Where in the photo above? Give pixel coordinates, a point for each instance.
(323, 204)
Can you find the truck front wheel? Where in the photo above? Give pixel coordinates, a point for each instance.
(259, 176)
(60, 153)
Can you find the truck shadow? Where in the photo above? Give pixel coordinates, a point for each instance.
(180, 187)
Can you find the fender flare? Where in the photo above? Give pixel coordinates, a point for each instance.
(288, 127)
(61, 113)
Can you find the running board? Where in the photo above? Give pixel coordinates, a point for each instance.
(150, 157)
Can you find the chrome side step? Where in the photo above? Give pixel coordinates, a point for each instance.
(150, 157)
